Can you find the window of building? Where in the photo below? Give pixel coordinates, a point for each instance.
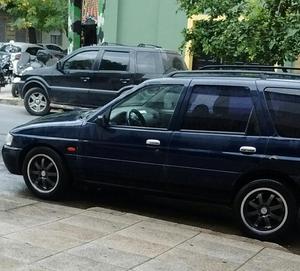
(284, 108)
(56, 39)
(219, 108)
(115, 61)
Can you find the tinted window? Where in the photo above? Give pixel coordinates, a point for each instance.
(81, 61)
(115, 61)
(219, 108)
(172, 62)
(33, 50)
(151, 106)
(148, 62)
(54, 48)
(284, 106)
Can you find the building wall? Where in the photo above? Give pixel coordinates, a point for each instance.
(144, 21)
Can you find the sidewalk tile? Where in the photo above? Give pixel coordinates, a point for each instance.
(8, 264)
(22, 252)
(105, 254)
(132, 245)
(273, 260)
(184, 260)
(68, 262)
(221, 247)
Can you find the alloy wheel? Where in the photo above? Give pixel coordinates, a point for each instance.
(37, 102)
(264, 210)
(43, 173)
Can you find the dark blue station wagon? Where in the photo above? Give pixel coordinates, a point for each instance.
(231, 140)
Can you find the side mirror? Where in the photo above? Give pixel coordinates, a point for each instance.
(102, 121)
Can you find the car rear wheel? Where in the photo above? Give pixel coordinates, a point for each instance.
(36, 102)
(45, 174)
(266, 209)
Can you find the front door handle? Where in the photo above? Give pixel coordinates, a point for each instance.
(247, 149)
(85, 79)
(124, 80)
(153, 142)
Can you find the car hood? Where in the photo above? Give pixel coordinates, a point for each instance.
(53, 124)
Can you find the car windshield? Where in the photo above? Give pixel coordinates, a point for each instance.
(173, 62)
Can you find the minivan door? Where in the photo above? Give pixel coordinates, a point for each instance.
(114, 72)
(216, 141)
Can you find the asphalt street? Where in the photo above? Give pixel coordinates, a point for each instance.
(217, 218)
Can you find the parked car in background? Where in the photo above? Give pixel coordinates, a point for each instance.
(15, 49)
(225, 137)
(56, 50)
(93, 76)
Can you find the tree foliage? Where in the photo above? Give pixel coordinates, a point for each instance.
(261, 31)
(44, 15)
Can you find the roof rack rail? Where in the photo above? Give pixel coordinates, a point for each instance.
(235, 73)
(105, 43)
(148, 45)
(248, 67)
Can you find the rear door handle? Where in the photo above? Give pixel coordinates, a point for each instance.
(124, 80)
(247, 149)
(85, 79)
(153, 142)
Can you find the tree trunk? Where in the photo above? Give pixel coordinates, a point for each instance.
(32, 35)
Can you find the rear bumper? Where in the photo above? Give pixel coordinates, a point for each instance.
(11, 158)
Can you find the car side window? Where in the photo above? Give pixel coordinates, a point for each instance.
(284, 108)
(81, 61)
(33, 50)
(148, 63)
(115, 61)
(152, 106)
(220, 109)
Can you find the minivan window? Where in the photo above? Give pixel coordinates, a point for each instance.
(81, 61)
(148, 63)
(284, 108)
(115, 61)
(219, 108)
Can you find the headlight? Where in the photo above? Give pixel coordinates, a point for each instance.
(8, 140)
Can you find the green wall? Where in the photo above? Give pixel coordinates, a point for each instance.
(144, 21)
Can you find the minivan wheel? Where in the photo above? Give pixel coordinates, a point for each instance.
(36, 102)
(44, 173)
(266, 209)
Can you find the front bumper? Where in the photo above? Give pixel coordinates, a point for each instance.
(11, 158)
(18, 86)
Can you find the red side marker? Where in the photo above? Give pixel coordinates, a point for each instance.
(71, 149)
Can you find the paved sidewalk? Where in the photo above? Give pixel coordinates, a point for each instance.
(40, 236)
(7, 98)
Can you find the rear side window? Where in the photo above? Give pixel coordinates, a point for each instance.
(284, 107)
(33, 50)
(173, 62)
(148, 63)
(115, 61)
(221, 109)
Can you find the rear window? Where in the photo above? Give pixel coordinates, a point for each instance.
(284, 107)
(8, 48)
(173, 62)
(148, 63)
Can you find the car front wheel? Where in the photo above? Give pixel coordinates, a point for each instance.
(45, 174)
(36, 102)
(266, 209)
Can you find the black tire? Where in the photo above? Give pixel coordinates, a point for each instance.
(45, 174)
(36, 102)
(265, 209)
(14, 91)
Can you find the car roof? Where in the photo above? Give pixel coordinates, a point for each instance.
(146, 48)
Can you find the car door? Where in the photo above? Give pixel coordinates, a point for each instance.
(114, 71)
(217, 140)
(131, 149)
(71, 84)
